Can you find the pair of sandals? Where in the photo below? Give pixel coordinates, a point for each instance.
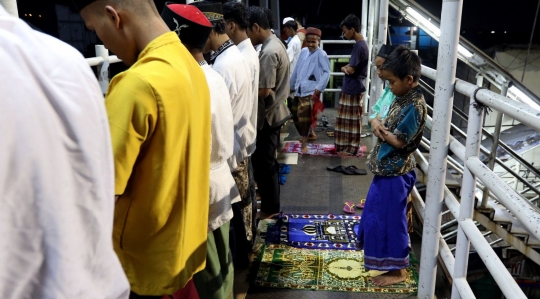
(349, 206)
(349, 170)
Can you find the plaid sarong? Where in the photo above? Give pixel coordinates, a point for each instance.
(302, 115)
(349, 124)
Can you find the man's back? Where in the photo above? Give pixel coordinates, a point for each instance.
(159, 111)
(222, 185)
(247, 49)
(234, 69)
(275, 74)
(293, 50)
(56, 173)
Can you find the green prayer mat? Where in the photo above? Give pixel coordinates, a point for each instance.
(281, 266)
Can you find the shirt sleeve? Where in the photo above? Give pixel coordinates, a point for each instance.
(355, 59)
(294, 75)
(324, 64)
(411, 119)
(267, 74)
(132, 111)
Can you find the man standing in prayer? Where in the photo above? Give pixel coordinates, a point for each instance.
(216, 280)
(308, 80)
(235, 17)
(348, 128)
(159, 114)
(272, 110)
(295, 45)
(56, 172)
(233, 67)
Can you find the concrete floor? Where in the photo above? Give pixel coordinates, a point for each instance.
(310, 188)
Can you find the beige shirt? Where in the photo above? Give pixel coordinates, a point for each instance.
(274, 74)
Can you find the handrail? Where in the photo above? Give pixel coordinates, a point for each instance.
(478, 60)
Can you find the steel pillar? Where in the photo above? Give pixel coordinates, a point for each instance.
(382, 33)
(468, 188)
(363, 29)
(10, 6)
(368, 100)
(496, 137)
(440, 134)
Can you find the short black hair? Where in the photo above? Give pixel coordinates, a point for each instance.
(291, 24)
(403, 62)
(262, 16)
(236, 12)
(219, 27)
(351, 21)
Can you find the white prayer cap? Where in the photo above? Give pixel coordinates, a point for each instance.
(287, 19)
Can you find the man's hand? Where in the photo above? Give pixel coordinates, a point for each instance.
(378, 128)
(345, 69)
(317, 92)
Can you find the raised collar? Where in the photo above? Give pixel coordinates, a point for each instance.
(220, 50)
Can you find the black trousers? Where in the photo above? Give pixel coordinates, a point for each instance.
(266, 169)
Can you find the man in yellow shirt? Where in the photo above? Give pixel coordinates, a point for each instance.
(159, 114)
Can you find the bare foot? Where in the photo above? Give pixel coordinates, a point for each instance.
(389, 278)
(312, 135)
(304, 145)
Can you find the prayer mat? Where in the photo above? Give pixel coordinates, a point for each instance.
(315, 231)
(318, 149)
(281, 266)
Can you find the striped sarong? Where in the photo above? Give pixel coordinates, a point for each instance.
(348, 127)
(383, 230)
(301, 111)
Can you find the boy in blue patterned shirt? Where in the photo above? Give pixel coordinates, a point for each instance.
(383, 230)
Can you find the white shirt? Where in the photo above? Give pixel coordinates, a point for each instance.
(234, 69)
(247, 49)
(222, 185)
(293, 51)
(56, 173)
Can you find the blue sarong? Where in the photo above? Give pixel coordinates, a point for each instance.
(383, 232)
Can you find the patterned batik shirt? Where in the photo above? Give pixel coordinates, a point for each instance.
(406, 120)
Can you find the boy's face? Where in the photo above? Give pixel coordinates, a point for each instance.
(379, 61)
(312, 42)
(347, 33)
(289, 31)
(398, 86)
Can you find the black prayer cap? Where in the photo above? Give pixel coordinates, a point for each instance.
(189, 23)
(385, 50)
(212, 10)
(80, 4)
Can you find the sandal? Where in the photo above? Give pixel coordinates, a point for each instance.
(349, 207)
(355, 170)
(330, 133)
(362, 204)
(340, 169)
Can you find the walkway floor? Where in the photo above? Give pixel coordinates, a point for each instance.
(310, 188)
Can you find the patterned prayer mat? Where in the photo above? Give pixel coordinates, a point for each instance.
(282, 266)
(318, 149)
(315, 231)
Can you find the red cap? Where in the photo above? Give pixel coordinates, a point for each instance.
(313, 31)
(190, 13)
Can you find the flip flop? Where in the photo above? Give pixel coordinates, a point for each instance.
(330, 133)
(349, 207)
(340, 169)
(365, 135)
(362, 203)
(355, 170)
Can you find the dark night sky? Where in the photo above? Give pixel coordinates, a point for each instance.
(480, 17)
